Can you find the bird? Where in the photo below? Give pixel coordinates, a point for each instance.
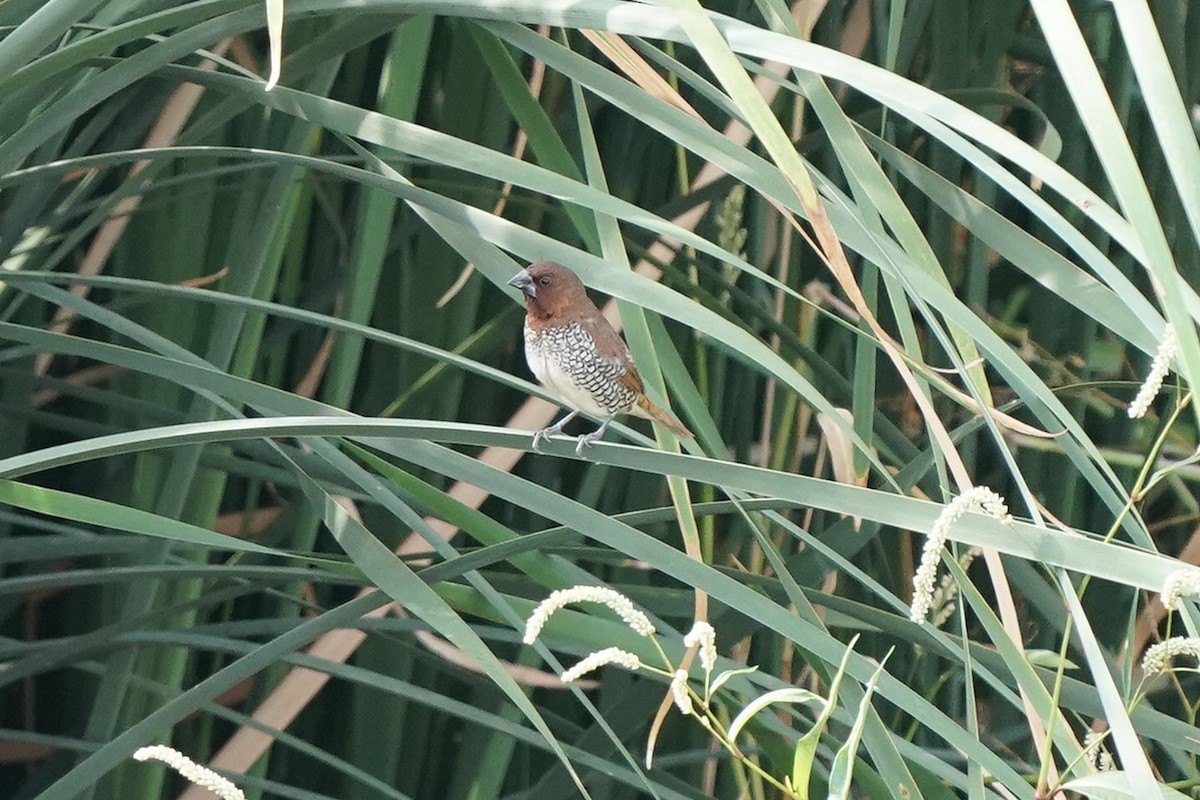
(576, 354)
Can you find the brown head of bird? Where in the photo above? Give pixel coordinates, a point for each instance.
(551, 290)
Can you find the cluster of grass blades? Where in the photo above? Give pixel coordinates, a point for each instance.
(266, 492)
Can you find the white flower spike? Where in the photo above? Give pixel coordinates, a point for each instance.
(601, 658)
(1181, 584)
(977, 498)
(1157, 658)
(679, 691)
(703, 636)
(1168, 348)
(203, 777)
(560, 598)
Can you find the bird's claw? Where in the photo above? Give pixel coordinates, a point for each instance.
(553, 430)
(585, 440)
(544, 436)
(545, 433)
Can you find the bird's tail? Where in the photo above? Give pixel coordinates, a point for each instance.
(648, 409)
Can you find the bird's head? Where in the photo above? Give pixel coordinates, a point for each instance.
(551, 290)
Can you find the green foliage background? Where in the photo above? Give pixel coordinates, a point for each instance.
(241, 363)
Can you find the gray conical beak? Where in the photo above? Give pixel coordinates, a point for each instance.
(524, 281)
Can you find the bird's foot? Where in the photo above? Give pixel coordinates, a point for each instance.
(587, 438)
(543, 435)
(554, 430)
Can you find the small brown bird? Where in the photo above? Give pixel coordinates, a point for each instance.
(576, 354)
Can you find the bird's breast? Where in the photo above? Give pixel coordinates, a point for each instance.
(565, 360)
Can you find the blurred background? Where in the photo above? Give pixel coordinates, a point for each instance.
(203, 280)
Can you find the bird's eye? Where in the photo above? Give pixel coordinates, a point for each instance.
(544, 280)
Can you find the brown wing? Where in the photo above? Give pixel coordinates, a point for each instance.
(633, 380)
(611, 347)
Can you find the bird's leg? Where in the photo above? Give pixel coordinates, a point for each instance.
(553, 430)
(588, 438)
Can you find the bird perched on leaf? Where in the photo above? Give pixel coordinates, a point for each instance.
(576, 354)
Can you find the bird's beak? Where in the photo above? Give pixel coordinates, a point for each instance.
(523, 281)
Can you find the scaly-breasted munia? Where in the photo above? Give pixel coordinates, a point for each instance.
(576, 354)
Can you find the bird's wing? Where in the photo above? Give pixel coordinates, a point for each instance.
(610, 347)
(633, 380)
